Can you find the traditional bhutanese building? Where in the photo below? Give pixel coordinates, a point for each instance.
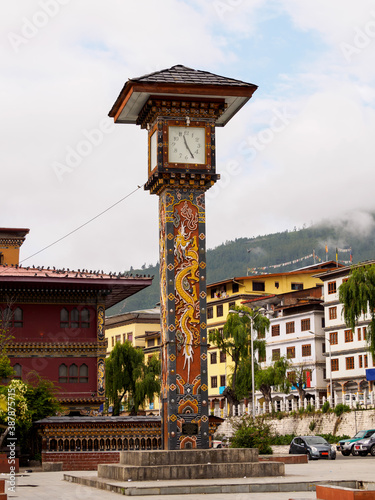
(55, 321)
(224, 295)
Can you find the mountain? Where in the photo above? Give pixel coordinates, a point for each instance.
(251, 255)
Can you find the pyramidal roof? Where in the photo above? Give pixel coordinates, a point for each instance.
(181, 82)
(180, 74)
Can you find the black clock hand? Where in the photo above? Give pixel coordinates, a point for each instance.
(187, 147)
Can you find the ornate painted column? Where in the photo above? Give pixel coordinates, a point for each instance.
(181, 107)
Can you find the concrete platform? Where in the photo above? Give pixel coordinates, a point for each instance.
(189, 464)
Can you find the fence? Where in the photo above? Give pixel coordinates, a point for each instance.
(288, 405)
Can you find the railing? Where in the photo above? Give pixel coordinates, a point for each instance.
(291, 405)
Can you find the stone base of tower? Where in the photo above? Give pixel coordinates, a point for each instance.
(189, 464)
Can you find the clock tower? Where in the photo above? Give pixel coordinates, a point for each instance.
(180, 108)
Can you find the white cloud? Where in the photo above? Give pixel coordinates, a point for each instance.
(61, 83)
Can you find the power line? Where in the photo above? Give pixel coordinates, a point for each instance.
(82, 225)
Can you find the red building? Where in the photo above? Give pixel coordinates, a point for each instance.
(55, 318)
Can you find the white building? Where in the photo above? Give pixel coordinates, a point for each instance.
(346, 351)
(297, 333)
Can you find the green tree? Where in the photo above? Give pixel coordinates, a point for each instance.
(273, 377)
(126, 373)
(6, 370)
(235, 341)
(358, 297)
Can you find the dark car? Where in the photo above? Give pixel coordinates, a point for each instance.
(313, 446)
(346, 446)
(365, 446)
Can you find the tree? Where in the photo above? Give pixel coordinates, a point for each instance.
(235, 341)
(6, 370)
(358, 297)
(298, 378)
(273, 377)
(126, 373)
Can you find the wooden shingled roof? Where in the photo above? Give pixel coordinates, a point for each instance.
(181, 82)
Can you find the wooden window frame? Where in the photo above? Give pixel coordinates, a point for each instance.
(291, 352)
(306, 350)
(335, 364)
(275, 330)
(332, 287)
(305, 324)
(290, 327)
(348, 336)
(332, 312)
(349, 363)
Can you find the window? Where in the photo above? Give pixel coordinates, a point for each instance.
(291, 376)
(275, 330)
(210, 312)
(323, 322)
(219, 311)
(360, 361)
(1, 258)
(235, 287)
(290, 327)
(349, 363)
(83, 374)
(150, 342)
(63, 374)
(17, 370)
(213, 382)
(73, 374)
(213, 357)
(291, 352)
(332, 287)
(18, 317)
(334, 365)
(323, 348)
(359, 334)
(124, 337)
(64, 318)
(333, 338)
(130, 337)
(332, 312)
(223, 356)
(305, 324)
(213, 293)
(232, 305)
(222, 381)
(113, 341)
(365, 360)
(364, 331)
(275, 354)
(259, 286)
(348, 336)
(297, 286)
(74, 318)
(85, 318)
(277, 284)
(306, 350)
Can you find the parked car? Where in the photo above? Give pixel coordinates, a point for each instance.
(346, 446)
(365, 446)
(313, 446)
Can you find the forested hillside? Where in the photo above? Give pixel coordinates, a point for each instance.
(250, 255)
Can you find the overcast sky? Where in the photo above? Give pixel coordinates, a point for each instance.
(300, 151)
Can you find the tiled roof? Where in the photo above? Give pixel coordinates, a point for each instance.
(180, 74)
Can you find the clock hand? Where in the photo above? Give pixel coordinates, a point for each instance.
(187, 147)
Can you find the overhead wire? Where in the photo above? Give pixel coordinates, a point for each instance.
(82, 225)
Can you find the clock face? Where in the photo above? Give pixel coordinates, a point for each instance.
(187, 145)
(153, 150)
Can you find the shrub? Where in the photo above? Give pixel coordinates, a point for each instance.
(340, 409)
(325, 407)
(333, 439)
(310, 408)
(282, 440)
(249, 434)
(312, 425)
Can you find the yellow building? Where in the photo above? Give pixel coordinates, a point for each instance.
(223, 295)
(142, 329)
(10, 242)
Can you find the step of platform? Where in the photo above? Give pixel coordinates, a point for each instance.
(189, 464)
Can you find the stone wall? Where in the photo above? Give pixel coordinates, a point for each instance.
(326, 423)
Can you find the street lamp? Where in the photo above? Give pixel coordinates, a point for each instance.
(240, 314)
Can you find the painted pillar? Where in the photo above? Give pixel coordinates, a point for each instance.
(183, 318)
